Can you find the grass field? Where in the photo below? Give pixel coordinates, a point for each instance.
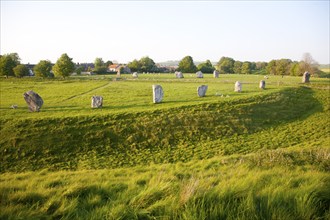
(259, 154)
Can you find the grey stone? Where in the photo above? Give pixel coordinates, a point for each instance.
(306, 76)
(238, 87)
(199, 74)
(97, 101)
(14, 106)
(201, 90)
(135, 75)
(178, 75)
(158, 93)
(216, 74)
(262, 84)
(33, 100)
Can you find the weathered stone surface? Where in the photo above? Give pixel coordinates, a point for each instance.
(199, 74)
(97, 101)
(178, 75)
(216, 74)
(306, 76)
(238, 87)
(158, 93)
(201, 90)
(135, 75)
(262, 84)
(33, 100)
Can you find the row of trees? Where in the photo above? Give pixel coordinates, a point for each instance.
(10, 66)
(145, 64)
(186, 65)
(274, 67)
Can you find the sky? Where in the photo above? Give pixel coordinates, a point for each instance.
(165, 30)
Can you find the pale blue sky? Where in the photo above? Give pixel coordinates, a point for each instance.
(165, 30)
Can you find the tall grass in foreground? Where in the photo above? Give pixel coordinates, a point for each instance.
(208, 189)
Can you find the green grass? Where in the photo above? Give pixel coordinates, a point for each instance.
(207, 189)
(72, 96)
(259, 154)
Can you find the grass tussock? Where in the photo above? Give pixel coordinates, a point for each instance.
(230, 191)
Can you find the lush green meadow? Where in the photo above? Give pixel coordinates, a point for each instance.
(259, 154)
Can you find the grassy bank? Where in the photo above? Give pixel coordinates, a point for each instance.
(254, 187)
(279, 119)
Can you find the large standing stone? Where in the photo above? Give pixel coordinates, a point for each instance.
(306, 77)
(158, 93)
(216, 74)
(199, 74)
(33, 100)
(97, 101)
(178, 75)
(201, 90)
(238, 87)
(262, 84)
(135, 75)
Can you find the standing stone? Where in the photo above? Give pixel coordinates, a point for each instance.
(199, 74)
(97, 101)
(238, 87)
(262, 84)
(135, 75)
(158, 93)
(33, 100)
(306, 77)
(216, 74)
(201, 90)
(178, 75)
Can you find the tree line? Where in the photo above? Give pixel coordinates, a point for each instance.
(10, 65)
(227, 65)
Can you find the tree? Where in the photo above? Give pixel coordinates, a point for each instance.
(108, 63)
(186, 65)
(7, 63)
(21, 70)
(226, 65)
(206, 67)
(309, 64)
(98, 63)
(79, 69)
(43, 68)
(283, 66)
(296, 69)
(147, 65)
(271, 67)
(100, 66)
(246, 68)
(134, 66)
(63, 66)
(237, 67)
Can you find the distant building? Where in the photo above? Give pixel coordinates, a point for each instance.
(30, 67)
(119, 67)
